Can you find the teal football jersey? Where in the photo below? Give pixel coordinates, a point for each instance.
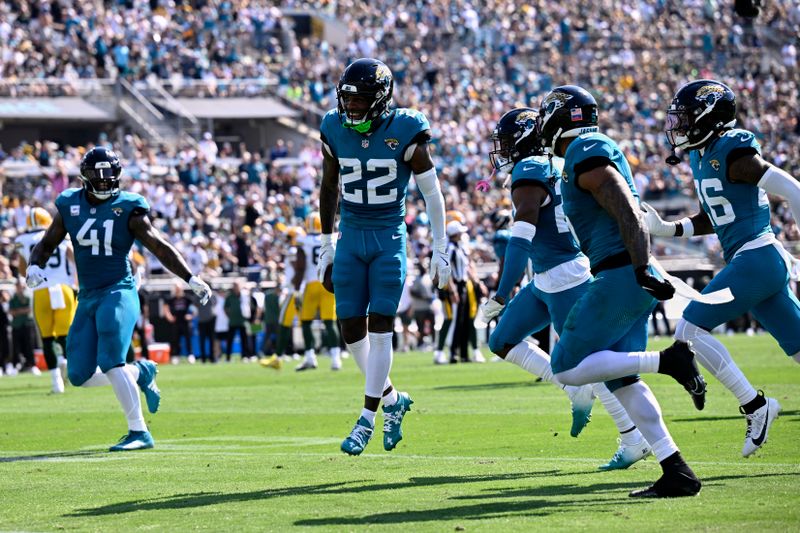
(553, 243)
(374, 175)
(100, 235)
(739, 212)
(597, 232)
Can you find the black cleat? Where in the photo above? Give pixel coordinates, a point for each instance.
(672, 484)
(678, 361)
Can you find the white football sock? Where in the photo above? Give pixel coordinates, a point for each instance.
(617, 413)
(98, 379)
(128, 396)
(379, 363)
(56, 380)
(532, 359)
(643, 408)
(715, 358)
(311, 357)
(390, 399)
(360, 351)
(606, 365)
(369, 415)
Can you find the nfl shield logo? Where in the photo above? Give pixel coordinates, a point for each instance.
(576, 114)
(364, 143)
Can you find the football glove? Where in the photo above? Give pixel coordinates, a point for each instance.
(440, 264)
(658, 288)
(35, 276)
(326, 253)
(491, 308)
(655, 224)
(201, 289)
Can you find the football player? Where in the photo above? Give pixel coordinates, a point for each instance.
(53, 302)
(103, 222)
(316, 298)
(732, 181)
(370, 152)
(605, 332)
(540, 234)
(290, 300)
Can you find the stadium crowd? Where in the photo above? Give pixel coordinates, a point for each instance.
(228, 207)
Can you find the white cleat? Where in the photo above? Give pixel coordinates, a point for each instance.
(627, 455)
(478, 357)
(439, 358)
(758, 424)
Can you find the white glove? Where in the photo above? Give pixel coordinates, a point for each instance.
(35, 276)
(326, 252)
(491, 308)
(440, 263)
(201, 289)
(655, 224)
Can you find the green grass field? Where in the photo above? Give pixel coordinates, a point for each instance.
(241, 448)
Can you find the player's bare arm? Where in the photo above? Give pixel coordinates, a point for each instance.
(701, 223)
(609, 189)
(421, 160)
(153, 240)
(696, 224)
(299, 268)
(427, 182)
(527, 199)
(329, 192)
(53, 236)
(748, 169)
(752, 169)
(328, 202)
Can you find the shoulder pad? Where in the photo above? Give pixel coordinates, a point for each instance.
(412, 119)
(536, 168)
(735, 139)
(592, 145)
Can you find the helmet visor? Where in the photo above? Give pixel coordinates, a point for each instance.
(677, 128)
(501, 155)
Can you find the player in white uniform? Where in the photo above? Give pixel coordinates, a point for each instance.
(54, 302)
(316, 298)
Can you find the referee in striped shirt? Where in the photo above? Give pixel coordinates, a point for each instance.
(466, 299)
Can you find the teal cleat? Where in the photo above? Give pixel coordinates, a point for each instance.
(627, 455)
(582, 399)
(134, 440)
(358, 439)
(392, 418)
(147, 382)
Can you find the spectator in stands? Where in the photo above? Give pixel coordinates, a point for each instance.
(206, 329)
(22, 332)
(179, 310)
(237, 310)
(5, 344)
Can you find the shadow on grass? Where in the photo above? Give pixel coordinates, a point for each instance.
(538, 499)
(783, 414)
(487, 386)
(54, 455)
(200, 499)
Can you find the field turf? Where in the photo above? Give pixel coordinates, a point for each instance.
(242, 448)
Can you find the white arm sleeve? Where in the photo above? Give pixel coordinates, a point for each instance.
(778, 181)
(428, 185)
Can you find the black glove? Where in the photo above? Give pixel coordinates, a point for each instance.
(658, 288)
